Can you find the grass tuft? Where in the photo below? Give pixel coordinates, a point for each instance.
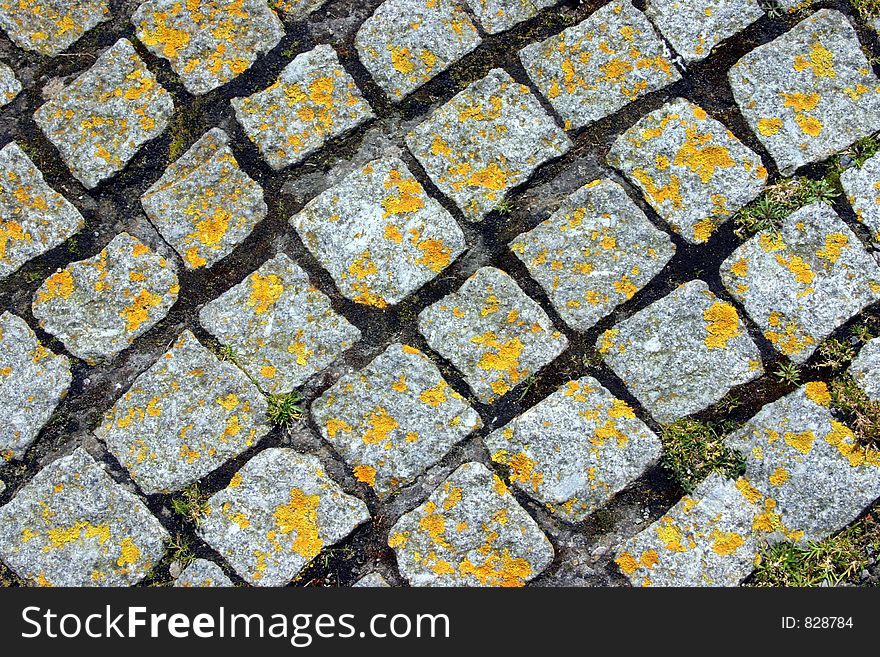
(284, 410)
(778, 201)
(191, 503)
(692, 450)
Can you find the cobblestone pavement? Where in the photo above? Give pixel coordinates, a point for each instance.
(408, 292)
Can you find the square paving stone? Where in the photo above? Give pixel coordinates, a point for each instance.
(694, 27)
(101, 119)
(865, 369)
(500, 15)
(706, 539)
(576, 449)
(72, 525)
(394, 419)
(805, 468)
(492, 332)
(33, 380)
(202, 573)
(682, 353)
(98, 306)
(50, 26)
(34, 218)
(405, 43)
(595, 68)
(313, 100)
(862, 187)
(10, 87)
(470, 532)
(809, 93)
(280, 326)
(184, 417)
(802, 283)
(594, 253)
(204, 205)
(379, 234)
(279, 511)
(485, 141)
(690, 168)
(207, 43)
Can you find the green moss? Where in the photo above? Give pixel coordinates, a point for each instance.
(692, 450)
(836, 560)
(8, 579)
(866, 8)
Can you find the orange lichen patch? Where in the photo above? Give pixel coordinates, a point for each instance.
(236, 480)
(59, 284)
(365, 474)
(363, 266)
(835, 243)
(434, 396)
(300, 515)
(139, 311)
(769, 127)
(740, 268)
(669, 193)
(392, 234)
(779, 476)
(620, 409)
(81, 530)
(435, 255)
(670, 535)
(522, 470)
(802, 442)
(625, 287)
(726, 543)
(434, 524)
(265, 292)
(188, 454)
(511, 572)
(703, 230)
(229, 402)
(400, 385)
(789, 342)
(748, 491)
(797, 266)
(809, 125)
(820, 60)
(771, 241)
(490, 177)
(701, 156)
(818, 392)
(129, 553)
(410, 195)
(381, 424)
(801, 102)
(400, 59)
(335, 425)
(722, 325)
(649, 559)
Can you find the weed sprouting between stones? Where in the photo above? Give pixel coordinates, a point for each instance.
(693, 449)
(190, 503)
(284, 410)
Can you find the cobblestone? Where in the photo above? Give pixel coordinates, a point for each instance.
(862, 187)
(50, 26)
(10, 87)
(202, 573)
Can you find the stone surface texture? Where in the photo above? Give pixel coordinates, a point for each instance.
(393, 419)
(470, 532)
(10, 87)
(202, 573)
(50, 26)
(862, 187)
(98, 306)
(865, 369)
(277, 514)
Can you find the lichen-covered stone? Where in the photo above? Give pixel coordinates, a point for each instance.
(280, 326)
(809, 93)
(865, 369)
(405, 43)
(372, 580)
(862, 187)
(101, 119)
(34, 218)
(682, 353)
(706, 539)
(379, 234)
(50, 26)
(485, 141)
(72, 525)
(33, 380)
(804, 468)
(492, 332)
(204, 205)
(313, 100)
(297, 9)
(10, 87)
(595, 68)
(184, 417)
(802, 283)
(394, 419)
(690, 168)
(207, 42)
(594, 253)
(98, 306)
(470, 532)
(694, 27)
(500, 15)
(277, 514)
(202, 573)
(576, 449)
